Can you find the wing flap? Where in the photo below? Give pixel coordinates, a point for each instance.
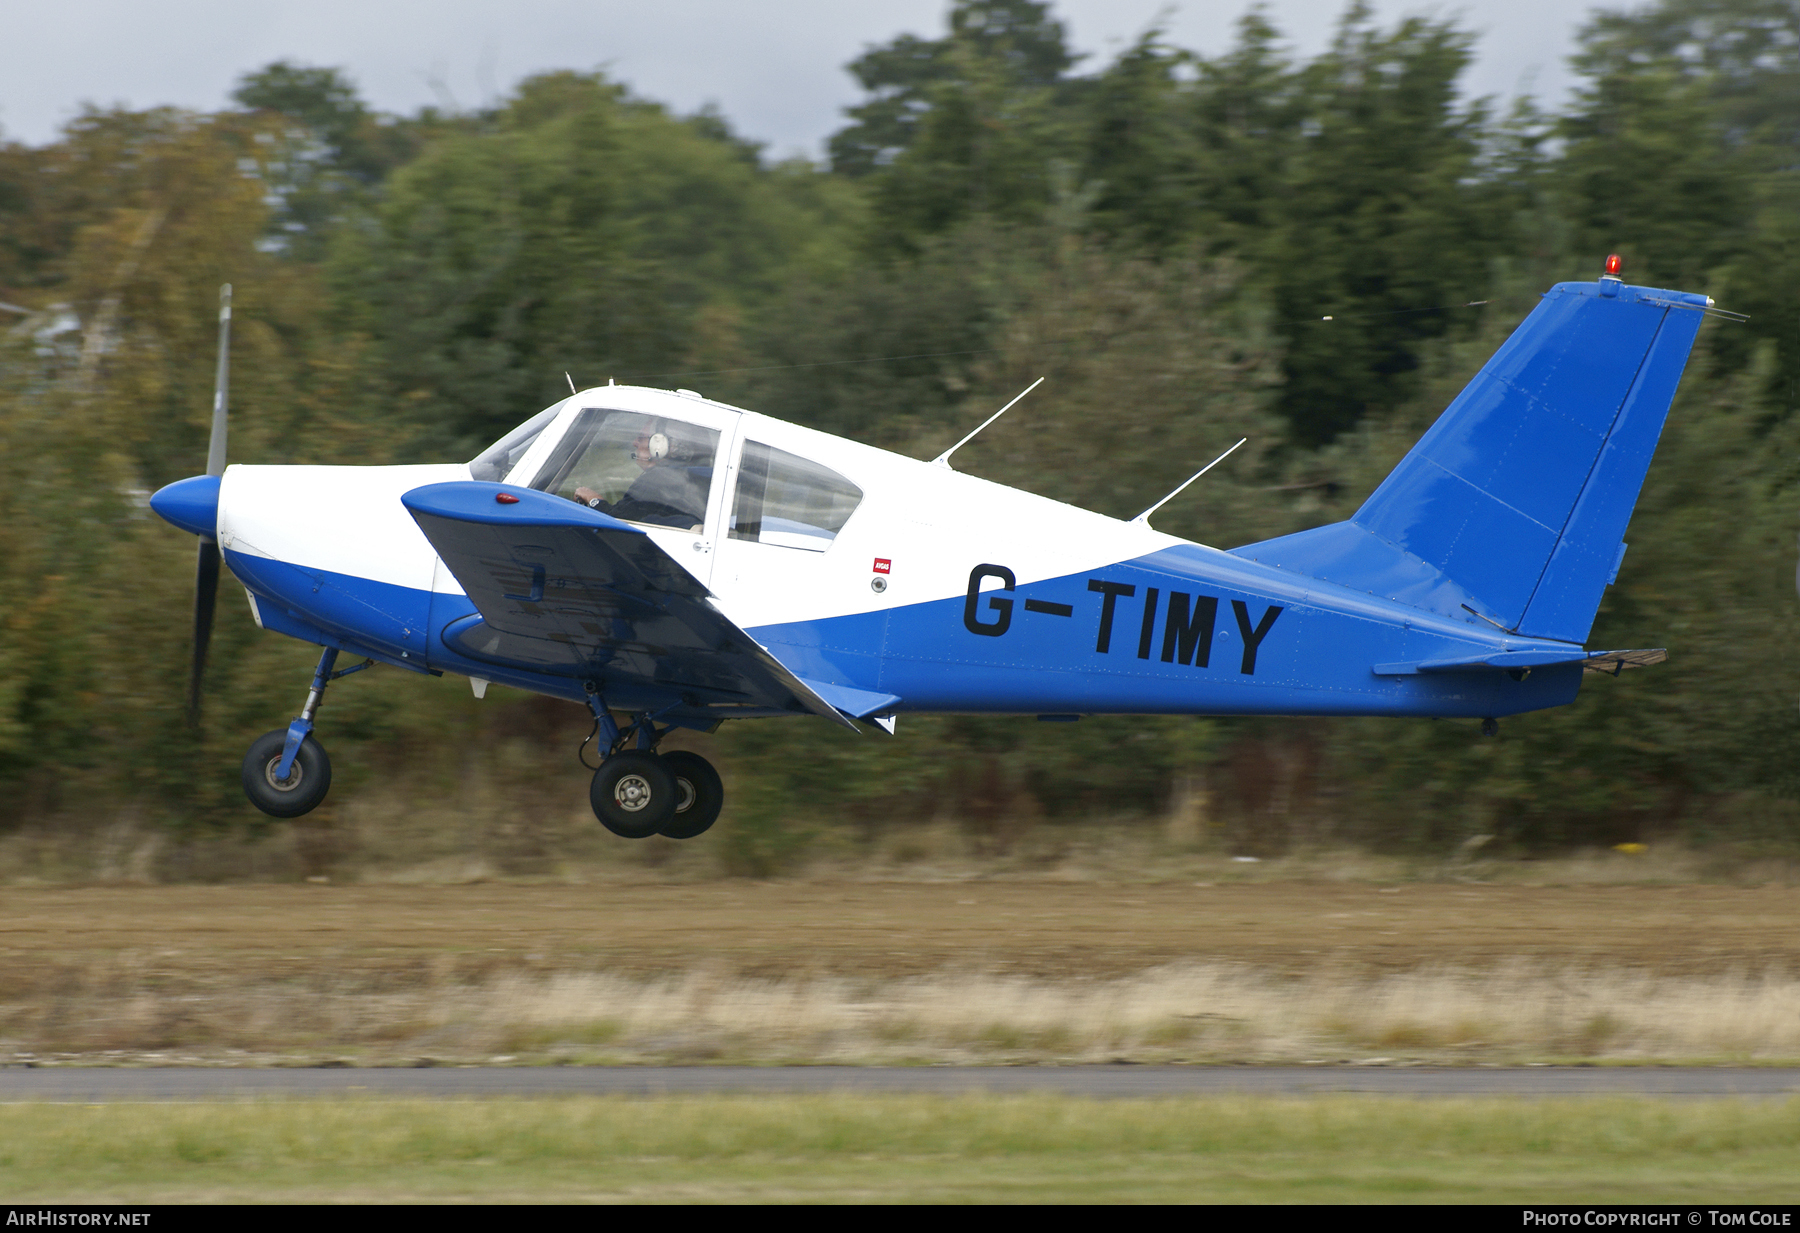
(856, 703)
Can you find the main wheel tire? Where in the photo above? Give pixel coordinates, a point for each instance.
(633, 794)
(307, 782)
(699, 795)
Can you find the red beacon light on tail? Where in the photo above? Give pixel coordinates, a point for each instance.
(1609, 281)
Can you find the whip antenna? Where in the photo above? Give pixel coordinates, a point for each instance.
(943, 459)
(1145, 516)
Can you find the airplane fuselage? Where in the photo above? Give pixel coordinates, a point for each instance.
(947, 592)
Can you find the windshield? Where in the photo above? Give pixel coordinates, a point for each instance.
(496, 462)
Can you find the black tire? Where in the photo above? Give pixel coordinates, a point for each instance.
(307, 782)
(633, 794)
(699, 795)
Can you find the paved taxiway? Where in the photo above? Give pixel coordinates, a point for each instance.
(82, 1084)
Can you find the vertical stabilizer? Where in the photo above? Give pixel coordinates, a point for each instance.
(1514, 503)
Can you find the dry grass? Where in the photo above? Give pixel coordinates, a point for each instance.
(1199, 1012)
(817, 970)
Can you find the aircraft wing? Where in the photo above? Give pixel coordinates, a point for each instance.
(567, 591)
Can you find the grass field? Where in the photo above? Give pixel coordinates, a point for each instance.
(1046, 969)
(898, 1149)
(822, 970)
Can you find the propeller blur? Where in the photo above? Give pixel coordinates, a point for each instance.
(674, 562)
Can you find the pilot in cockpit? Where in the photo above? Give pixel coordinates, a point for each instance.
(672, 491)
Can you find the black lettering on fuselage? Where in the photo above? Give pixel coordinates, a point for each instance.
(1189, 635)
(989, 629)
(1253, 637)
(1148, 629)
(1111, 591)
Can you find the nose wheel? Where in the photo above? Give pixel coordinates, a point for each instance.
(307, 780)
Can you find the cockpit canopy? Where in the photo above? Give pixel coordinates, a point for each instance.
(657, 468)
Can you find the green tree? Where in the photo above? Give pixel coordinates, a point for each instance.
(1020, 36)
(1386, 217)
(583, 231)
(1682, 155)
(1142, 162)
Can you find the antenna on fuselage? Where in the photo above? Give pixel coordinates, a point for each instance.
(943, 459)
(570, 380)
(1145, 516)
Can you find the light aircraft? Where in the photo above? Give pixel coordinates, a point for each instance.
(674, 562)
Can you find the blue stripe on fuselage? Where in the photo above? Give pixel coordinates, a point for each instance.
(1015, 651)
(1226, 637)
(379, 619)
(388, 622)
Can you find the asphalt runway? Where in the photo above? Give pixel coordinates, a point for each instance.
(99, 1085)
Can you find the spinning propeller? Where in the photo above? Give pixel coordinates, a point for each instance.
(206, 569)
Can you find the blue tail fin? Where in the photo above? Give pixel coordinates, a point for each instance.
(1513, 505)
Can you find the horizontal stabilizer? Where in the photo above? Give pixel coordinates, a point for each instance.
(1610, 662)
(1614, 662)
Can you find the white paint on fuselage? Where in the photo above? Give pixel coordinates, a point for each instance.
(347, 520)
(933, 524)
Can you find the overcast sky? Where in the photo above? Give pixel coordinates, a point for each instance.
(774, 69)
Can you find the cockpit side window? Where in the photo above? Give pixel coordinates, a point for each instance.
(496, 462)
(788, 501)
(639, 467)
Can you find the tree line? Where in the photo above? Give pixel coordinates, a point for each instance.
(1314, 252)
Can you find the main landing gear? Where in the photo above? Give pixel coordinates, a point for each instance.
(638, 792)
(286, 772)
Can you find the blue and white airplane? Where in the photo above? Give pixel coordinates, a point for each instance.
(674, 562)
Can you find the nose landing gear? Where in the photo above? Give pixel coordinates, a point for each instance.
(637, 792)
(286, 772)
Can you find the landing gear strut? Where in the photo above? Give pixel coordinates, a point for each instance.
(286, 772)
(637, 792)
